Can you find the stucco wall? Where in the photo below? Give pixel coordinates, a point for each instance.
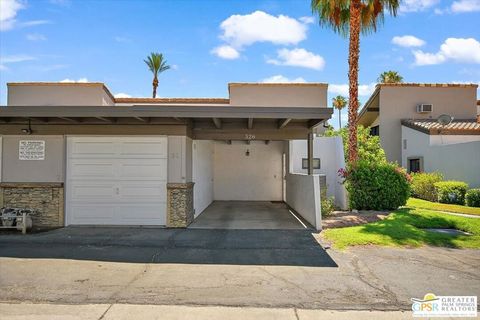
(398, 103)
(278, 95)
(179, 159)
(330, 152)
(303, 195)
(257, 177)
(49, 170)
(60, 94)
(459, 161)
(202, 175)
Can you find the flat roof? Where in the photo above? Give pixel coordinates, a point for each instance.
(432, 127)
(434, 85)
(64, 84)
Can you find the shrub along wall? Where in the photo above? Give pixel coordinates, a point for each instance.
(451, 191)
(472, 197)
(423, 185)
(377, 186)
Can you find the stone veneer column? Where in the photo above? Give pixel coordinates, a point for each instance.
(46, 199)
(179, 204)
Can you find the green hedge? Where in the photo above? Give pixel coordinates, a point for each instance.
(472, 197)
(423, 185)
(380, 186)
(451, 191)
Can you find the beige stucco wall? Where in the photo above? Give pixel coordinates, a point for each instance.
(398, 103)
(58, 94)
(455, 161)
(256, 177)
(279, 95)
(49, 170)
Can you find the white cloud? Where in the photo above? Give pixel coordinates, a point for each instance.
(122, 95)
(33, 23)
(307, 19)
(282, 79)
(243, 30)
(342, 89)
(298, 58)
(8, 12)
(408, 41)
(226, 52)
(465, 6)
(16, 58)
(36, 37)
(81, 80)
(417, 5)
(453, 49)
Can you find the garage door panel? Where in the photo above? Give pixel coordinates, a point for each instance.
(82, 191)
(147, 169)
(143, 191)
(92, 148)
(91, 214)
(92, 169)
(144, 149)
(138, 214)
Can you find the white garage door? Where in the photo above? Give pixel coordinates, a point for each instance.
(116, 180)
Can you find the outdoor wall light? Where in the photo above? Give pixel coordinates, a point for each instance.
(29, 129)
(247, 153)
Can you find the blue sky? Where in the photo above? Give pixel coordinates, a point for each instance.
(211, 43)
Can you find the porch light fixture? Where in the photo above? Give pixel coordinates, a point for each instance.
(28, 130)
(247, 153)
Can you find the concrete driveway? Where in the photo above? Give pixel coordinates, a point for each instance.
(250, 268)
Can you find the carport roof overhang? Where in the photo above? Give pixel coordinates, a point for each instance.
(204, 121)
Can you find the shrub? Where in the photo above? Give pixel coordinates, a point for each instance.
(369, 148)
(327, 204)
(377, 186)
(472, 197)
(423, 185)
(451, 191)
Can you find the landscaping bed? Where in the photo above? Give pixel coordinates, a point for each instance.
(341, 219)
(455, 208)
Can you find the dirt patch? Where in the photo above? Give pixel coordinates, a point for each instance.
(341, 219)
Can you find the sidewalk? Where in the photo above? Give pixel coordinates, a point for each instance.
(127, 311)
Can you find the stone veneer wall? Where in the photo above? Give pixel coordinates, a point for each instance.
(46, 198)
(179, 204)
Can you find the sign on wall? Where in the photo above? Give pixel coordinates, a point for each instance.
(31, 150)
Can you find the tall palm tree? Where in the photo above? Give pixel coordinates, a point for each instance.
(350, 17)
(390, 77)
(339, 102)
(157, 65)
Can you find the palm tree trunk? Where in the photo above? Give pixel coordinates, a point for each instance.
(155, 85)
(340, 118)
(353, 56)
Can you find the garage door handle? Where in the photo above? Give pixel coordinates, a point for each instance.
(117, 191)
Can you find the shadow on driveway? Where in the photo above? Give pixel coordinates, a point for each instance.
(184, 246)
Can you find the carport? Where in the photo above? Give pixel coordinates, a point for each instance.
(249, 215)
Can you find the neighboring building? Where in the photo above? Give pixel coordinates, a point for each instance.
(405, 117)
(81, 156)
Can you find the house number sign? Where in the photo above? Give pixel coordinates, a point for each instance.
(249, 136)
(31, 150)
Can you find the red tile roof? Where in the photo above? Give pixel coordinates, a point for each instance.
(173, 100)
(432, 127)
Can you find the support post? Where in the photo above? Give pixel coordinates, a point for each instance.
(310, 153)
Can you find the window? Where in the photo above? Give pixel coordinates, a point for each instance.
(375, 131)
(316, 163)
(415, 164)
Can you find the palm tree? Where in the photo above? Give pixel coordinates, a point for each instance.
(339, 102)
(350, 17)
(157, 65)
(390, 77)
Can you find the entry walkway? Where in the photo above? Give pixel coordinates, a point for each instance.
(248, 215)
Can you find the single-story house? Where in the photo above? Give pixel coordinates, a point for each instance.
(80, 156)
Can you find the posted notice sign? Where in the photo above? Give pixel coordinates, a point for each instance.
(31, 150)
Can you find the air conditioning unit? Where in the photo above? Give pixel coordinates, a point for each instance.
(424, 108)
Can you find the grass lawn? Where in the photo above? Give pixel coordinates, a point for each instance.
(423, 204)
(404, 227)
